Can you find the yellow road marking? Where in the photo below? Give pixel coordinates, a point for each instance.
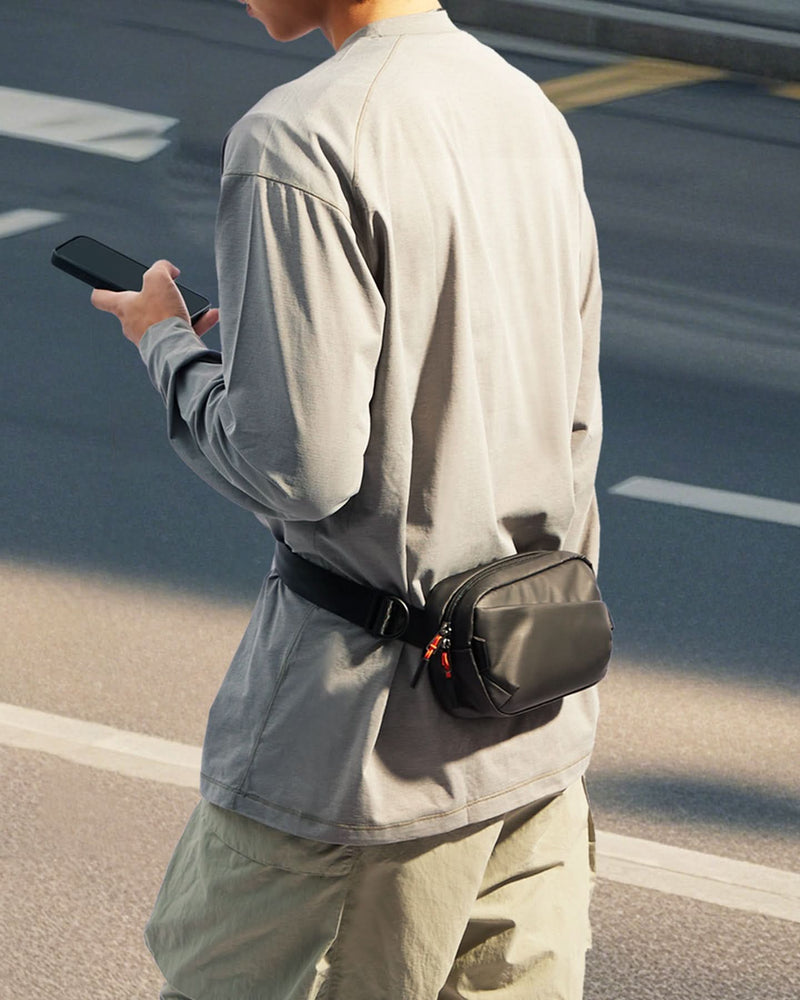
(790, 90)
(628, 79)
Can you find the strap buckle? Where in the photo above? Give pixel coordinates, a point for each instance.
(390, 618)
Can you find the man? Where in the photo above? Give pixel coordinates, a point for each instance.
(407, 388)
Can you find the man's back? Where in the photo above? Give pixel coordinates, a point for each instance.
(463, 188)
(410, 316)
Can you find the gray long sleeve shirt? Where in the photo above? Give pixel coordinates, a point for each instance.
(407, 388)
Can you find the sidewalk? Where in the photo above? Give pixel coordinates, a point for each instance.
(761, 37)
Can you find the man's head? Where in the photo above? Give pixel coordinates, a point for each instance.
(286, 20)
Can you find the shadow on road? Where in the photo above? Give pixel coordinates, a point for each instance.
(693, 801)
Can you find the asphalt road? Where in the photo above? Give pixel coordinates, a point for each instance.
(126, 582)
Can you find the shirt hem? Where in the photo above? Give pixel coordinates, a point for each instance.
(298, 823)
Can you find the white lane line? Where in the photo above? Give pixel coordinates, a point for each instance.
(22, 220)
(738, 885)
(716, 501)
(643, 863)
(100, 746)
(93, 128)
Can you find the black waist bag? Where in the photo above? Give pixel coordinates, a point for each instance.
(517, 634)
(498, 641)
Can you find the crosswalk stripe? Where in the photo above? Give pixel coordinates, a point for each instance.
(93, 128)
(723, 881)
(22, 220)
(627, 79)
(715, 501)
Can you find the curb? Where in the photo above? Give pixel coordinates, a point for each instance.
(729, 45)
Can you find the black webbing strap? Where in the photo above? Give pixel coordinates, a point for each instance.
(382, 615)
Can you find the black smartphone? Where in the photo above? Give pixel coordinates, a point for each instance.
(102, 267)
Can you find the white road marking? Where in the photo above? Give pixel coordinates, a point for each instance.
(93, 128)
(100, 746)
(706, 877)
(712, 879)
(22, 220)
(717, 501)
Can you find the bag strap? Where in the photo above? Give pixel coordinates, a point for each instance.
(382, 615)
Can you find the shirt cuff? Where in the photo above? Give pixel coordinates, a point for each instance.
(154, 335)
(168, 346)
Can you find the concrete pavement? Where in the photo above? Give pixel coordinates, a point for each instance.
(761, 39)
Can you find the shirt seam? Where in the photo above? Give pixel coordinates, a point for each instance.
(278, 683)
(364, 106)
(287, 184)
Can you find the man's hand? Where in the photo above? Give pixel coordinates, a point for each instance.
(159, 299)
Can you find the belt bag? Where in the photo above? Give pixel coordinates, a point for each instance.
(500, 640)
(517, 634)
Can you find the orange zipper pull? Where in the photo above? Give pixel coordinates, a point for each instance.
(448, 670)
(439, 643)
(433, 645)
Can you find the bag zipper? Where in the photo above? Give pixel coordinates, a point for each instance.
(439, 645)
(459, 592)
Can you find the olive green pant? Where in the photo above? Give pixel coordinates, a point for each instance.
(496, 911)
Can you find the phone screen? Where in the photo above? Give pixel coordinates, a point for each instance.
(101, 267)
